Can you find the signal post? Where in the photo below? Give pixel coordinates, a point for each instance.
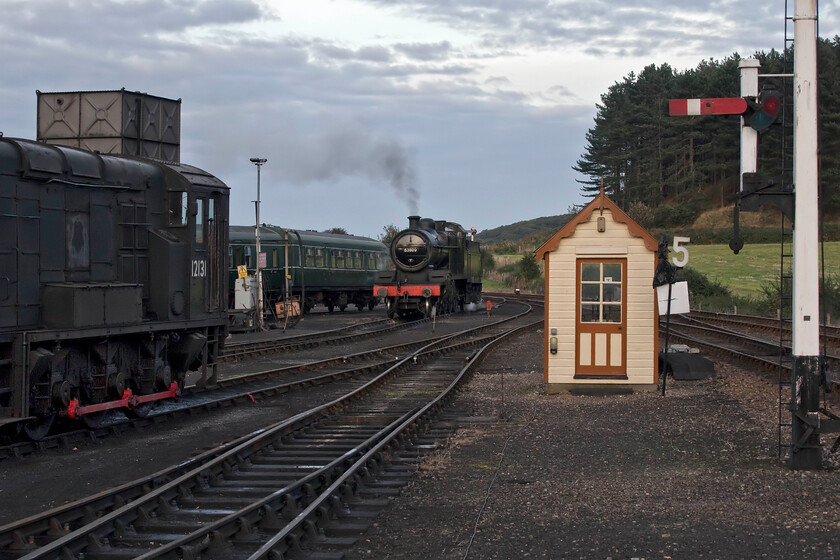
(760, 110)
(806, 452)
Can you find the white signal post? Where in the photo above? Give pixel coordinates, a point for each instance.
(258, 274)
(806, 288)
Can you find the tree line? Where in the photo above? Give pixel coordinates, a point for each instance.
(646, 157)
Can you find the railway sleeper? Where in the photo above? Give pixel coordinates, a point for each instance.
(149, 540)
(217, 502)
(176, 523)
(263, 480)
(281, 472)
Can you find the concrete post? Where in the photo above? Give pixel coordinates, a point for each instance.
(807, 453)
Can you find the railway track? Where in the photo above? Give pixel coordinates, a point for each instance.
(306, 485)
(766, 324)
(710, 335)
(239, 350)
(238, 389)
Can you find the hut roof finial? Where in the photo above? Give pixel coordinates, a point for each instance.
(602, 196)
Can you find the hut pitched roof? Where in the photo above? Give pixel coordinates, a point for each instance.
(600, 202)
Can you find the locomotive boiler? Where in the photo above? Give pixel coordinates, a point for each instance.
(113, 282)
(437, 266)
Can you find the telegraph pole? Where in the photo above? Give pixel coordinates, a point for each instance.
(806, 452)
(259, 163)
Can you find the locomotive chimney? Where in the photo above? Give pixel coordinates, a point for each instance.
(413, 222)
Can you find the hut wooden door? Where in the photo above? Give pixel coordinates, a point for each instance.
(601, 324)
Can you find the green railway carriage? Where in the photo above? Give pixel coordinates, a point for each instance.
(337, 270)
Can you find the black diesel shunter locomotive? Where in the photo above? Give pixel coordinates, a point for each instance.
(438, 266)
(112, 282)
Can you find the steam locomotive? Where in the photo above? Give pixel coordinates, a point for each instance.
(113, 282)
(437, 267)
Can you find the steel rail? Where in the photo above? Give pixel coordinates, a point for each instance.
(240, 350)
(239, 388)
(772, 348)
(15, 535)
(830, 332)
(331, 497)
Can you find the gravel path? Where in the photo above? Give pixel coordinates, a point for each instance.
(690, 475)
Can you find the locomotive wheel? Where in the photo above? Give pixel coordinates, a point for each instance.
(38, 429)
(330, 307)
(371, 305)
(342, 307)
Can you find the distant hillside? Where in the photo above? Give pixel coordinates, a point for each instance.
(525, 229)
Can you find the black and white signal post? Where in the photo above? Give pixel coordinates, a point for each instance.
(759, 110)
(806, 452)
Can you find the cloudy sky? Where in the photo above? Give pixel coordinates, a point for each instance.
(472, 111)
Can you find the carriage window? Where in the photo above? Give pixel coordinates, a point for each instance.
(199, 221)
(248, 256)
(231, 262)
(339, 259)
(178, 208)
(275, 260)
(357, 260)
(310, 257)
(319, 257)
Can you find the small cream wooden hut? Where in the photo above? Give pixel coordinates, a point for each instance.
(601, 321)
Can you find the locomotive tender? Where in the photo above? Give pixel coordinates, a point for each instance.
(337, 269)
(112, 282)
(437, 266)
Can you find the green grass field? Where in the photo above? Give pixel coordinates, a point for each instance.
(744, 273)
(755, 265)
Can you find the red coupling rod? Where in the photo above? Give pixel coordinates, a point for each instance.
(128, 400)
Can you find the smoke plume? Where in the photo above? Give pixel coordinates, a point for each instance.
(352, 152)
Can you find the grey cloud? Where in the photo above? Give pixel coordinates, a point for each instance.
(121, 21)
(367, 54)
(425, 51)
(408, 110)
(497, 81)
(626, 28)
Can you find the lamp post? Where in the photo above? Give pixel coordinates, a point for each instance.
(259, 163)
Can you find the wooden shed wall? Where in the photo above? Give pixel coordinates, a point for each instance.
(615, 242)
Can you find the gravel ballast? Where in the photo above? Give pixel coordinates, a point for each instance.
(693, 474)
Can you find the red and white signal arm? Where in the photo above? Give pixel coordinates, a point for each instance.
(709, 106)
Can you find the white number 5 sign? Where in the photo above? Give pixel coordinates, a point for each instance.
(683, 260)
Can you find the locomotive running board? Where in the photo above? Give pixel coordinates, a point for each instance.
(128, 400)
